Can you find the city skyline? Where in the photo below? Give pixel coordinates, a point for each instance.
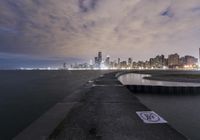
(46, 32)
(172, 61)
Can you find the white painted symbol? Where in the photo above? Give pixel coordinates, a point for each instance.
(150, 117)
(90, 81)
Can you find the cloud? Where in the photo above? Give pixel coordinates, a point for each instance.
(80, 28)
(15, 61)
(87, 5)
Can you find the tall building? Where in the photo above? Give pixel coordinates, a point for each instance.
(118, 63)
(199, 55)
(64, 65)
(96, 60)
(173, 60)
(100, 57)
(129, 62)
(157, 62)
(107, 61)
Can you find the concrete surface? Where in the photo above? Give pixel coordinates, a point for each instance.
(43, 127)
(107, 111)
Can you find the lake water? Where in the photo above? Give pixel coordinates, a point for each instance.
(137, 79)
(26, 95)
(181, 112)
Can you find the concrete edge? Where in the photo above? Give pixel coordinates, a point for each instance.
(45, 125)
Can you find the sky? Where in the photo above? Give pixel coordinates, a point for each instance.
(49, 32)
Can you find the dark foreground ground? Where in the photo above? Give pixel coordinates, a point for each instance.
(26, 95)
(103, 109)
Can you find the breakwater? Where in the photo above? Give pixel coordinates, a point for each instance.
(163, 89)
(142, 83)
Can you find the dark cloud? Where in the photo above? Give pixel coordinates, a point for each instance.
(5, 30)
(87, 5)
(168, 13)
(196, 9)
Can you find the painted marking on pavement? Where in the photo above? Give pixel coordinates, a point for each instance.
(150, 117)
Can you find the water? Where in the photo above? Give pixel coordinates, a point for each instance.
(181, 112)
(26, 95)
(137, 79)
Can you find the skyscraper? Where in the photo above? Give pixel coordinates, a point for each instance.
(96, 60)
(107, 62)
(100, 57)
(130, 62)
(199, 55)
(118, 61)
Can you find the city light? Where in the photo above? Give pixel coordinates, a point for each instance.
(47, 68)
(173, 61)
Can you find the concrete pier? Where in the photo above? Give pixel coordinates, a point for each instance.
(102, 109)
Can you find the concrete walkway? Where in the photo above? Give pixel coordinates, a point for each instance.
(103, 110)
(108, 112)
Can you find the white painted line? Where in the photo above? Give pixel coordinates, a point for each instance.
(94, 85)
(101, 75)
(150, 117)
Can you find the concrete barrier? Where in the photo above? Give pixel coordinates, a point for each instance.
(163, 89)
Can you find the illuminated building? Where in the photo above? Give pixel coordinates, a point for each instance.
(100, 57)
(173, 60)
(157, 62)
(140, 64)
(107, 61)
(118, 63)
(98, 60)
(134, 65)
(199, 55)
(188, 60)
(123, 64)
(147, 64)
(160, 62)
(130, 62)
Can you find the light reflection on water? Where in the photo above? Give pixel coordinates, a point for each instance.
(137, 79)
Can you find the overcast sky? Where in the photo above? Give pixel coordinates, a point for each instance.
(77, 29)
